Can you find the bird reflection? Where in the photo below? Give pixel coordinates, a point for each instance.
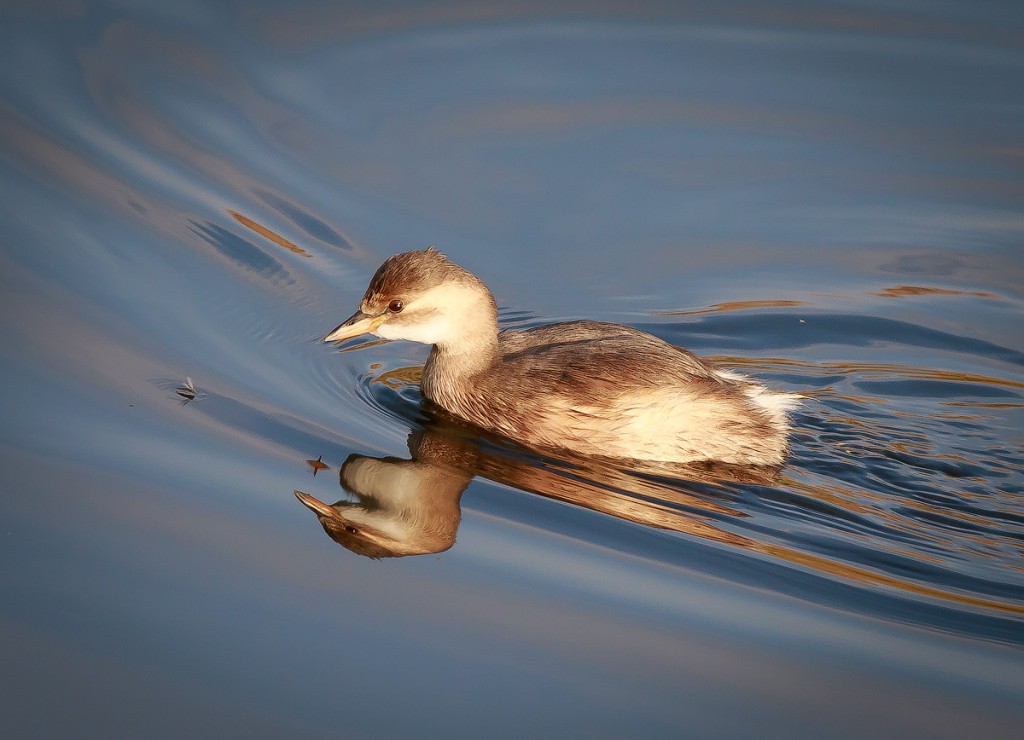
(405, 507)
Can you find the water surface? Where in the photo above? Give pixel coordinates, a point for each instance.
(826, 198)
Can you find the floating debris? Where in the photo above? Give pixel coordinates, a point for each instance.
(318, 465)
(188, 391)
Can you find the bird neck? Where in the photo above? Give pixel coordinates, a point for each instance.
(454, 368)
(474, 352)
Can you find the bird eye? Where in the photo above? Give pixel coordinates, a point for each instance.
(350, 529)
(395, 306)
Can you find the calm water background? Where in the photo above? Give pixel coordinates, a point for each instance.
(829, 197)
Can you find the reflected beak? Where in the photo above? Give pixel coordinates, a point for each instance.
(316, 506)
(358, 323)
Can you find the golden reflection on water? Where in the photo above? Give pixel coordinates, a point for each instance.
(986, 405)
(733, 306)
(873, 578)
(865, 370)
(901, 291)
(896, 291)
(834, 495)
(268, 233)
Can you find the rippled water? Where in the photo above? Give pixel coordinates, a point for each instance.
(826, 198)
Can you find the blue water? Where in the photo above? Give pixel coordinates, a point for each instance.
(827, 197)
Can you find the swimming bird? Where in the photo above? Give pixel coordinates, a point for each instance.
(587, 387)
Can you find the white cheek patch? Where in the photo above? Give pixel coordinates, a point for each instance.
(431, 318)
(430, 331)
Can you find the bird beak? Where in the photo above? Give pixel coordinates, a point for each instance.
(358, 323)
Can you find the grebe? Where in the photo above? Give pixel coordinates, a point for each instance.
(588, 387)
